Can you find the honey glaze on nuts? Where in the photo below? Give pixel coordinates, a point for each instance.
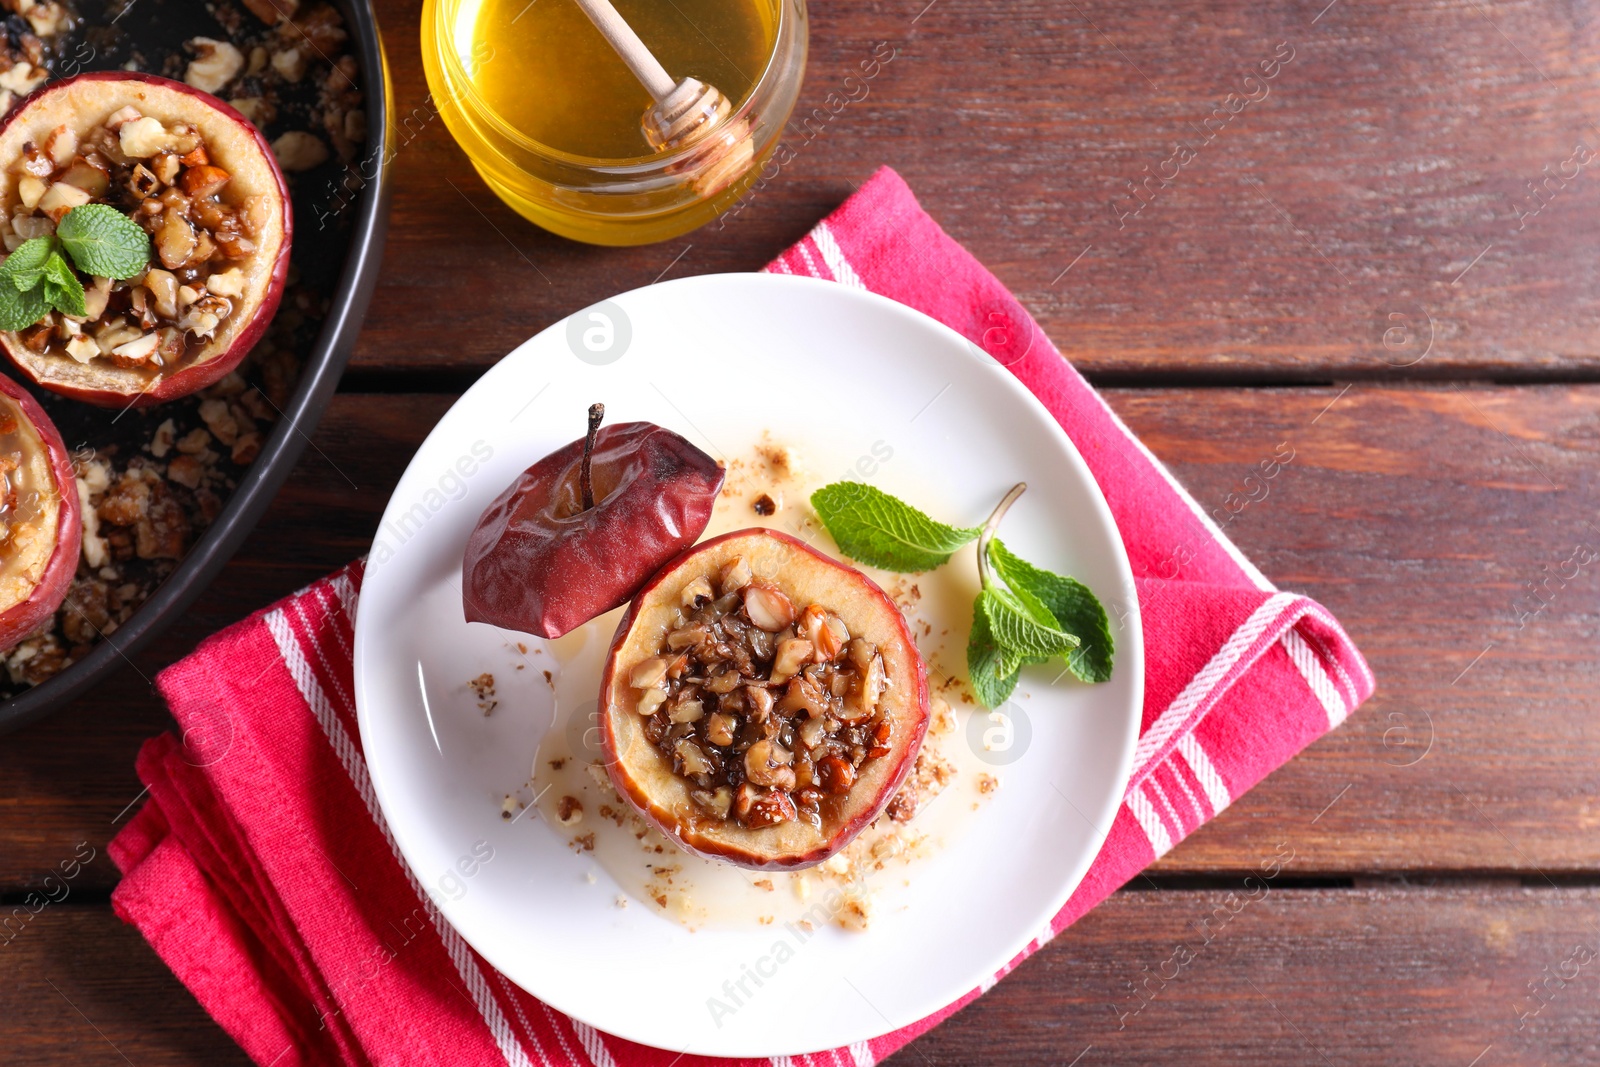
(163, 178)
(766, 707)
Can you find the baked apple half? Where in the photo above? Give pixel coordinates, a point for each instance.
(762, 703)
(195, 176)
(40, 532)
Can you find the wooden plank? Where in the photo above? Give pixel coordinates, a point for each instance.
(1386, 172)
(1374, 977)
(1420, 517)
(1416, 515)
(1262, 974)
(83, 988)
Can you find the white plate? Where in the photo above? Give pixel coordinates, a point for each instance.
(721, 359)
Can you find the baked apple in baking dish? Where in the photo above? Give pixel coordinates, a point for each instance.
(166, 224)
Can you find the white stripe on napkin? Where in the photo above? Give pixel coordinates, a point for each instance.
(1310, 666)
(1206, 680)
(833, 256)
(1139, 805)
(1205, 772)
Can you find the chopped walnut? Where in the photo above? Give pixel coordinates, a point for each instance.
(246, 448)
(569, 812)
(88, 612)
(216, 64)
(127, 502)
(186, 471)
(319, 27)
(290, 63)
(927, 779)
(194, 443)
(219, 420)
(299, 151)
(164, 534)
(270, 11)
(855, 910)
(165, 435)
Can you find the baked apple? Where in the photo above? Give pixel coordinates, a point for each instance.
(762, 703)
(40, 531)
(199, 180)
(579, 531)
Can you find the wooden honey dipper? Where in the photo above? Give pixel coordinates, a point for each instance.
(685, 112)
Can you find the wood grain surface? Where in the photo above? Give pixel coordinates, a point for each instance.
(1383, 160)
(1392, 975)
(1351, 265)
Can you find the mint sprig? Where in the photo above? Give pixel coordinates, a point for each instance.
(871, 526)
(62, 287)
(19, 310)
(37, 278)
(23, 300)
(27, 261)
(992, 670)
(1074, 608)
(104, 242)
(1021, 625)
(1023, 614)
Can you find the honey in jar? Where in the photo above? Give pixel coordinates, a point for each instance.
(550, 115)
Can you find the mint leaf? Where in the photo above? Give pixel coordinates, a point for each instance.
(1016, 627)
(872, 527)
(1075, 609)
(992, 672)
(102, 241)
(62, 287)
(24, 266)
(19, 310)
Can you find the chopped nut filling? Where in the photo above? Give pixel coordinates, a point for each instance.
(161, 177)
(766, 708)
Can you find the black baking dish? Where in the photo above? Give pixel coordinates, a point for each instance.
(345, 250)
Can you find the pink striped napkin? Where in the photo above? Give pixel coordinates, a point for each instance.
(228, 869)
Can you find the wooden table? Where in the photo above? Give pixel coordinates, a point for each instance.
(1356, 264)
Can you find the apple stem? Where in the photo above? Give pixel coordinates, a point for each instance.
(597, 412)
(991, 525)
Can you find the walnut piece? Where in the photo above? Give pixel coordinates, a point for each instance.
(216, 63)
(299, 151)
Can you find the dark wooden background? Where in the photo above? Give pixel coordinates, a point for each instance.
(1447, 838)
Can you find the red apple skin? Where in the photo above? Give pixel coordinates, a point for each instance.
(537, 564)
(117, 388)
(840, 832)
(20, 620)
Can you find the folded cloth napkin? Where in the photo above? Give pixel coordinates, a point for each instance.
(230, 868)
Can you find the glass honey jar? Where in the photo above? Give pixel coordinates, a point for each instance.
(550, 115)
